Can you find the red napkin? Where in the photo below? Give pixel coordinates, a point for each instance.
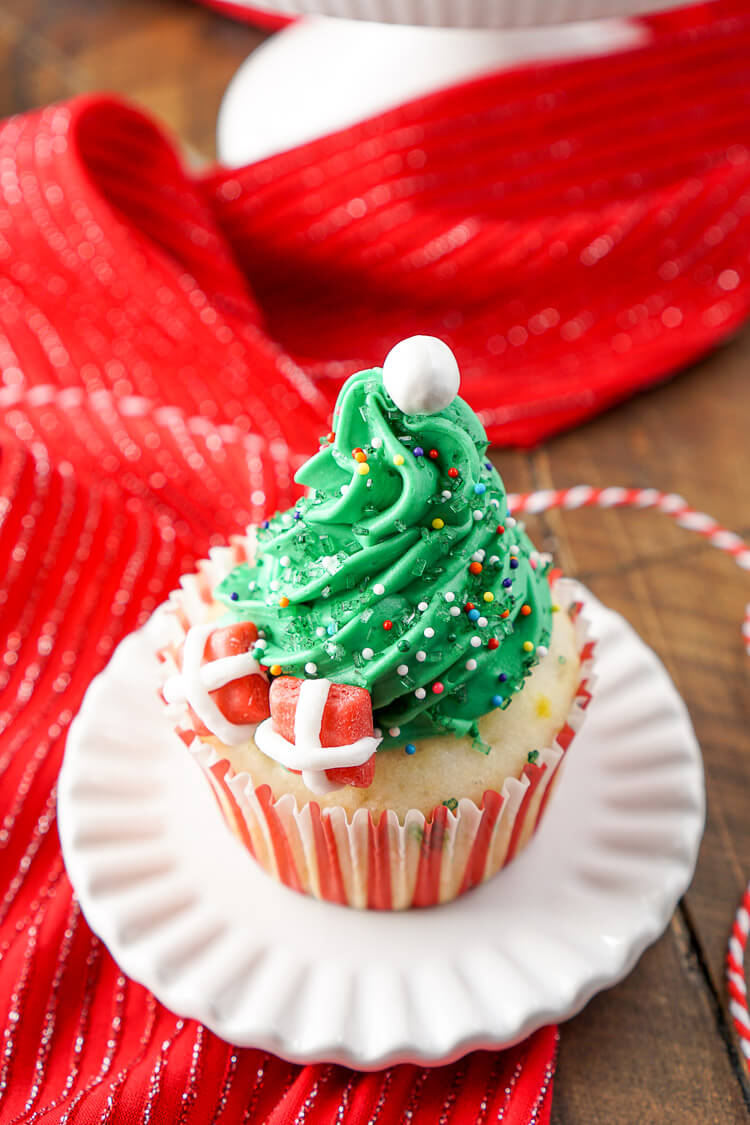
(170, 348)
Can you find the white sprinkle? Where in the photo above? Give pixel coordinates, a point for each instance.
(284, 560)
(251, 585)
(495, 503)
(420, 693)
(261, 644)
(378, 588)
(481, 622)
(471, 665)
(422, 607)
(367, 653)
(377, 732)
(515, 549)
(475, 642)
(446, 495)
(274, 585)
(450, 596)
(394, 732)
(320, 631)
(261, 633)
(429, 632)
(421, 656)
(454, 611)
(376, 442)
(510, 522)
(534, 557)
(541, 650)
(494, 559)
(478, 515)
(344, 489)
(402, 669)
(311, 668)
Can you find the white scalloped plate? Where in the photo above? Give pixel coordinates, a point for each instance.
(186, 911)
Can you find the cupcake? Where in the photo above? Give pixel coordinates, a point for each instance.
(380, 683)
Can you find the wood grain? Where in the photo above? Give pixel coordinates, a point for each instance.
(658, 1048)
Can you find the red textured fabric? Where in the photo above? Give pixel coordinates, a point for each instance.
(256, 17)
(170, 348)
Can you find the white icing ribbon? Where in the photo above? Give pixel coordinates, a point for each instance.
(306, 752)
(197, 680)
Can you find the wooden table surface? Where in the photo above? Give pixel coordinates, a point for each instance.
(659, 1047)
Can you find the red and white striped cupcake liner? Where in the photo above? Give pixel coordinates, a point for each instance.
(353, 860)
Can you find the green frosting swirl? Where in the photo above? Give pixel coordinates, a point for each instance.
(358, 581)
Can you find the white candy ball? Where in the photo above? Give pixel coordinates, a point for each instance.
(421, 375)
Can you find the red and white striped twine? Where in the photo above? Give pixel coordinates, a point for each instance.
(736, 975)
(583, 496)
(669, 503)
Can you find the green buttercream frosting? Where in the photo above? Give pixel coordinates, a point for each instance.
(376, 594)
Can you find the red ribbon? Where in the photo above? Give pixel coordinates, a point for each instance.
(170, 348)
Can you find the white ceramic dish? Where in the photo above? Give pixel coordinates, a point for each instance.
(456, 13)
(186, 911)
(350, 70)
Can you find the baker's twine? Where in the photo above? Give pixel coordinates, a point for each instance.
(736, 975)
(668, 503)
(674, 506)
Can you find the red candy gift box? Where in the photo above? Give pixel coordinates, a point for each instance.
(171, 345)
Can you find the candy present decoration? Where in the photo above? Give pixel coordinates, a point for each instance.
(316, 722)
(222, 683)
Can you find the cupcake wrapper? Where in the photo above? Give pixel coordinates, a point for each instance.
(385, 865)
